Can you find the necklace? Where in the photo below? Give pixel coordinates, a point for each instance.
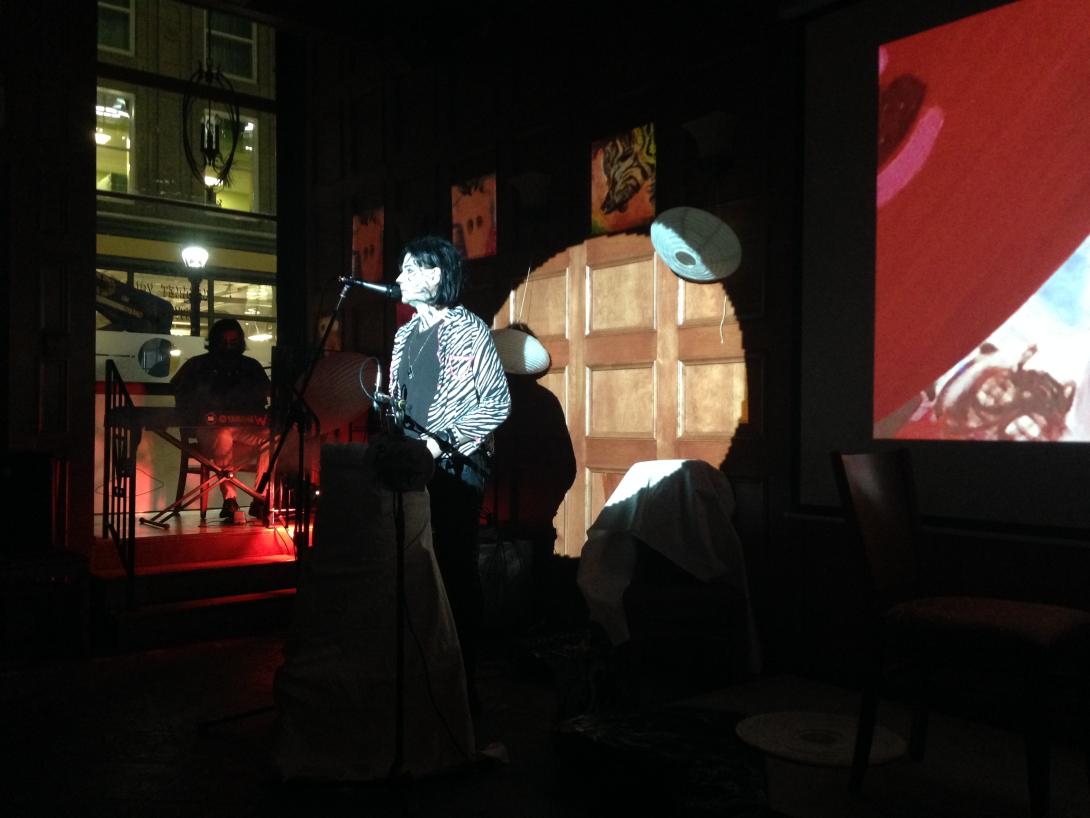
(409, 371)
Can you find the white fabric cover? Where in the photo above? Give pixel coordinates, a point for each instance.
(680, 508)
(336, 690)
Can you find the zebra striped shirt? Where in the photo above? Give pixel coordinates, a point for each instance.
(471, 398)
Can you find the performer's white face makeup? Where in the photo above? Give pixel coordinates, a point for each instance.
(419, 285)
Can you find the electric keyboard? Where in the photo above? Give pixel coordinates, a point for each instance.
(163, 417)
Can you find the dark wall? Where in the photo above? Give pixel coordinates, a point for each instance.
(47, 247)
(399, 108)
(386, 109)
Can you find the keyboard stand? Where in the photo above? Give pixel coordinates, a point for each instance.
(216, 476)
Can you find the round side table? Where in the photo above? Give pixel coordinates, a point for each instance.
(809, 742)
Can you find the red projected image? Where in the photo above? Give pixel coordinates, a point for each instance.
(982, 257)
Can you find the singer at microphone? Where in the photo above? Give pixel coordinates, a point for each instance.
(447, 377)
(389, 290)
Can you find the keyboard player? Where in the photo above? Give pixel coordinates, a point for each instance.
(225, 380)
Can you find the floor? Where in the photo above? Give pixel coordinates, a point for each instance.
(969, 769)
(129, 735)
(139, 734)
(188, 520)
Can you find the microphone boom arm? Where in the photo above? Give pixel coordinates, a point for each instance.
(388, 290)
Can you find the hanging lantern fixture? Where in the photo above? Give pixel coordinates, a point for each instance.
(220, 130)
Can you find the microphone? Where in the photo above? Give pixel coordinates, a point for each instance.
(378, 387)
(399, 406)
(388, 290)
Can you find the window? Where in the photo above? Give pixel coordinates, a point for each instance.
(141, 152)
(176, 290)
(150, 205)
(231, 40)
(254, 306)
(132, 300)
(115, 26)
(162, 170)
(111, 291)
(113, 140)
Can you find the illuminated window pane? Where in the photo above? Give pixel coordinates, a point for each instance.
(113, 139)
(260, 338)
(104, 317)
(243, 300)
(150, 295)
(254, 306)
(176, 290)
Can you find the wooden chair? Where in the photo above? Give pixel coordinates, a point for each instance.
(187, 466)
(1037, 646)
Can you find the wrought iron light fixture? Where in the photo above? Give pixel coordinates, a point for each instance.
(220, 127)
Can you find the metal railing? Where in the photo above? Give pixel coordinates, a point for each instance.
(121, 441)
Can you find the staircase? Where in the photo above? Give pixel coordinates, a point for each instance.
(192, 584)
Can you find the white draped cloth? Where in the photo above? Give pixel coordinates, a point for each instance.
(680, 508)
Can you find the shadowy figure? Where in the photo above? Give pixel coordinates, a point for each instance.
(532, 469)
(225, 380)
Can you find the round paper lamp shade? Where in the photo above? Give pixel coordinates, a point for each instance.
(696, 245)
(337, 392)
(520, 353)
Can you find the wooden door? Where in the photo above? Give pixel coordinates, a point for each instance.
(647, 366)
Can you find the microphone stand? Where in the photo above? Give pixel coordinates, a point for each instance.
(406, 421)
(396, 413)
(448, 448)
(300, 415)
(402, 421)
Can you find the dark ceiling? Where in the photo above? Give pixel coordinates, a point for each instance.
(448, 21)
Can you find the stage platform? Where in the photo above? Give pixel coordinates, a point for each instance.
(191, 580)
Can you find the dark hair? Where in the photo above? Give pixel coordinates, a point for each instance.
(215, 335)
(432, 251)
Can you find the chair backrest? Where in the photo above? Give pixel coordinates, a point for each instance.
(188, 435)
(878, 496)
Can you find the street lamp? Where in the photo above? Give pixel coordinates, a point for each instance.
(194, 258)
